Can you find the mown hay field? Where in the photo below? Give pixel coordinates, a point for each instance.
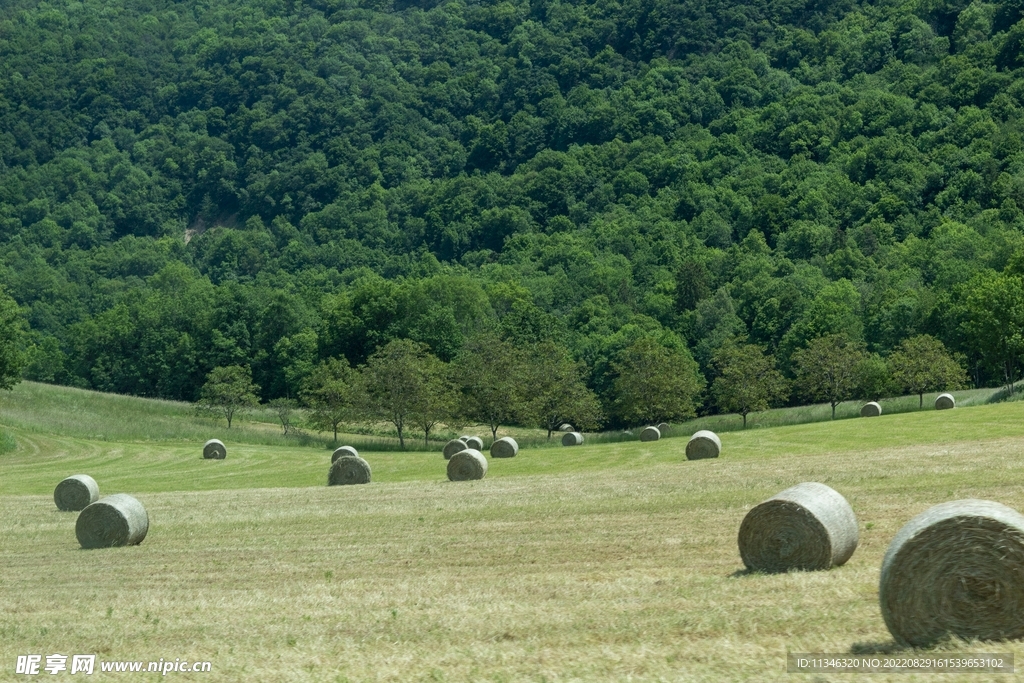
(607, 562)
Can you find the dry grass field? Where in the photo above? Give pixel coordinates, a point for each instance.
(614, 562)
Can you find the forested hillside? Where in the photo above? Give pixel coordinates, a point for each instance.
(203, 183)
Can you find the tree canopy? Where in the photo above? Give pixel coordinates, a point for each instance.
(191, 185)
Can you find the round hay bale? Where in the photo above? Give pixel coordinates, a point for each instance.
(806, 527)
(662, 427)
(112, 521)
(945, 402)
(870, 409)
(474, 442)
(505, 447)
(957, 569)
(703, 444)
(454, 446)
(650, 434)
(349, 469)
(214, 450)
(76, 493)
(343, 451)
(565, 427)
(466, 465)
(572, 439)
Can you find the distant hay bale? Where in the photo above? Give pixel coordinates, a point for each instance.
(662, 427)
(474, 442)
(214, 450)
(76, 492)
(650, 434)
(945, 402)
(466, 465)
(870, 409)
(349, 469)
(572, 439)
(343, 451)
(505, 447)
(806, 527)
(703, 444)
(565, 427)
(957, 569)
(454, 446)
(112, 521)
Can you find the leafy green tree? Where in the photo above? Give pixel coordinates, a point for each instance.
(873, 378)
(826, 369)
(330, 394)
(228, 390)
(403, 384)
(655, 383)
(437, 400)
(995, 322)
(490, 373)
(558, 391)
(747, 380)
(12, 359)
(923, 363)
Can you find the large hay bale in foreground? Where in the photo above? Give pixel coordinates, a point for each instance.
(467, 465)
(662, 427)
(806, 527)
(505, 447)
(572, 439)
(945, 402)
(703, 444)
(454, 446)
(870, 409)
(650, 434)
(565, 427)
(474, 442)
(76, 493)
(956, 569)
(214, 450)
(349, 469)
(112, 521)
(343, 451)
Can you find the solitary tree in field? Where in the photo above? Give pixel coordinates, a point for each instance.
(747, 380)
(558, 393)
(922, 364)
(401, 385)
(827, 369)
(492, 375)
(655, 383)
(11, 330)
(438, 398)
(228, 390)
(329, 394)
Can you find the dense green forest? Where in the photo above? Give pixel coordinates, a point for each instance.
(270, 183)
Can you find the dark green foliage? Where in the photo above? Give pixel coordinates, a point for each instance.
(12, 333)
(185, 186)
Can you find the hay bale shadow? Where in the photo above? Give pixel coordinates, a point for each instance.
(880, 648)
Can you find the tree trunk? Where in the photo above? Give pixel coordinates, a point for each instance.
(920, 403)
(549, 433)
(744, 420)
(426, 438)
(834, 410)
(494, 432)
(401, 438)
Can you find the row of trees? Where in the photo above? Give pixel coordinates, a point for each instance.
(495, 383)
